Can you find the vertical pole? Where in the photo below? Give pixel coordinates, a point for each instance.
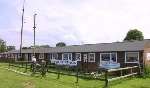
(34, 27)
(22, 31)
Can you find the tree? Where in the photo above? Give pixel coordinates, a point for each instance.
(60, 44)
(36, 46)
(2, 46)
(45, 46)
(25, 47)
(134, 35)
(9, 48)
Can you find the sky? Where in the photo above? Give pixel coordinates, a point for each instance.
(73, 21)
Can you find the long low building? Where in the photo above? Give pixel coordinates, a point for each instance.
(92, 56)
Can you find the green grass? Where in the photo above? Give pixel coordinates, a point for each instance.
(10, 79)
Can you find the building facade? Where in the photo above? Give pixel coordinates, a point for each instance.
(92, 56)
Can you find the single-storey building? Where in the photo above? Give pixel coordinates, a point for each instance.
(92, 56)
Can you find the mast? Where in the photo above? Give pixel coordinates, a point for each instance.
(34, 27)
(22, 30)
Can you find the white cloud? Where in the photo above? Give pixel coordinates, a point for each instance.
(77, 21)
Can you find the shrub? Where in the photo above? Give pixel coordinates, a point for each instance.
(147, 71)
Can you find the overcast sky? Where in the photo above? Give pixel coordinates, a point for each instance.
(73, 21)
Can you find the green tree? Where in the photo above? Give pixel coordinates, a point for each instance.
(2, 46)
(60, 44)
(45, 46)
(9, 48)
(134, 35)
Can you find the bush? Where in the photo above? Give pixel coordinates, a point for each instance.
(147, 71)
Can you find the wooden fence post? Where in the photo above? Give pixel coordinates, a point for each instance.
(131, 71)
(58, 76)
(139, 73)
(77, 74)
(26, 67)
(9, 63)
(121, 72)
(22, 64)
(106, 79)
(31, 66)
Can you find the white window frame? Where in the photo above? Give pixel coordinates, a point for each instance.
(110, 54)
(85, 59)
(116, 56)
(68, 56)
(89, 57)
(50, 56)
(76, 58)
(131, 62)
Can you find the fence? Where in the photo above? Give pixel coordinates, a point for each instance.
(119, 73)
(124, 72)
(20, 64)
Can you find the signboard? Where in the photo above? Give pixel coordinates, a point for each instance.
(148, 56)
(65, 62)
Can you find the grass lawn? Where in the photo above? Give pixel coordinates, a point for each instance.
(13, 80)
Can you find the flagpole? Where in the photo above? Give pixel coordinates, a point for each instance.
(22, 30)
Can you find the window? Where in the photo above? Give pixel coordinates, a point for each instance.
(114, 57)
(67, 56)
(108, 57)
(55, 56)
(132, 57)
(41, 56)
(78, 57)
(91, 57)
(70, 56)
(50, 56)
(105, 57)
(85, 57)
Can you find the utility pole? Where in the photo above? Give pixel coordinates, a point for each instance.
(22, 30)
(34, 27)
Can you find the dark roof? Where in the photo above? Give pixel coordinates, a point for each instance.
(101, 47)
